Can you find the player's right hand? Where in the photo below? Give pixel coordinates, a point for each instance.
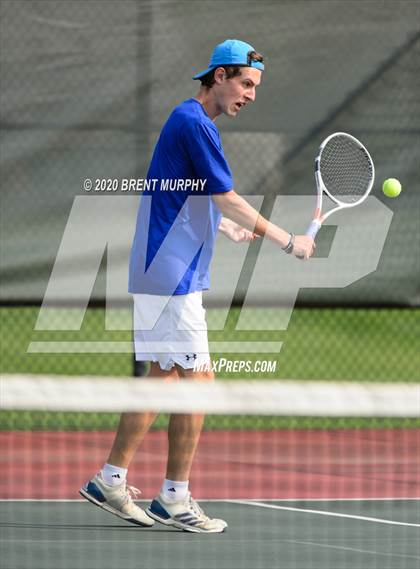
(303, 247)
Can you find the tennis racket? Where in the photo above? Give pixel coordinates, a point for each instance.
(344, 171)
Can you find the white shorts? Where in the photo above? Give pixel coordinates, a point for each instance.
(171, 330)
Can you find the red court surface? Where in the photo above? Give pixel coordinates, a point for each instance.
(274, 464)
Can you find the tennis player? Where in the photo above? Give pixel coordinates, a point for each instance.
(177, 223)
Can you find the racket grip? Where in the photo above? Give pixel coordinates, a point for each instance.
(313, 229)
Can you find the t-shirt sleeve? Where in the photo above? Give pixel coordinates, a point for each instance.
(205, 150)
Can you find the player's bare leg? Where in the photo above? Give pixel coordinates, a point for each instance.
(184, 433)
(134, 426)
(108, 489)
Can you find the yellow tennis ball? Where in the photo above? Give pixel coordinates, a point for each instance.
(391, 188)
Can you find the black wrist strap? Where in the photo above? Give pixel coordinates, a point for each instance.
(289, 247)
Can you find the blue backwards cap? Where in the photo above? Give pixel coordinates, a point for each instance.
(231, 52)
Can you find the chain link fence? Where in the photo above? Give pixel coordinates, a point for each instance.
(86, 88)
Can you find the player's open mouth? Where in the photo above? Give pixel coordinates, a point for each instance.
(239, 105)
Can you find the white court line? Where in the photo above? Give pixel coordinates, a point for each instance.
(64, 500)
(323, 513)
(342, 547)
(227, 500)
(379, 499)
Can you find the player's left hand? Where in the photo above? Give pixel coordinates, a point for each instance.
(235, 232)
(239, 234)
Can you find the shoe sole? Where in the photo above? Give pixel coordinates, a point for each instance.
(179, 525)
(112, 510)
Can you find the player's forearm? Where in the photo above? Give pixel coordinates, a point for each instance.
(236, 208)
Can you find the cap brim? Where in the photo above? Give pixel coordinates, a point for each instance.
(255, 64)
(199, 75)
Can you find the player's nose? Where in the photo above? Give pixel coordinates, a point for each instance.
(250, 95)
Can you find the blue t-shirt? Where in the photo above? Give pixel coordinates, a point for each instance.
(177, 219)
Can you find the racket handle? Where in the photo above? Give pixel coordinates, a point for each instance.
(313, 229)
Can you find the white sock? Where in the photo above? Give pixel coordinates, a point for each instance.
(113, 475)
(174, 491)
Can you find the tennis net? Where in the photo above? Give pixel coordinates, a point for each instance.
(290, 439)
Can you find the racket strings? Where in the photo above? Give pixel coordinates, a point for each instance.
(346, 169)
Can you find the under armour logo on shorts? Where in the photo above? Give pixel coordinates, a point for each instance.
(189, 357)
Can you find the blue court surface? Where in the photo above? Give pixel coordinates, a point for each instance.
(319, 534)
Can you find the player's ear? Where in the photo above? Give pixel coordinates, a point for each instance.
(219, 75)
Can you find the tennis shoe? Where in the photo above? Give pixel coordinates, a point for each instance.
(185, 514)
(117, 500)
